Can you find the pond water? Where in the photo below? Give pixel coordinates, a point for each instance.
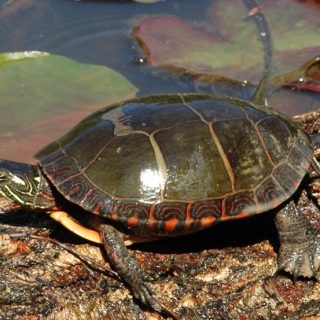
(97, 32)
(100, 32)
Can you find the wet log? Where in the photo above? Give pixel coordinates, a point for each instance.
(226, 272)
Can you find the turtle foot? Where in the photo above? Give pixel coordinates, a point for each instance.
(301, 261)
(299, 243)
(129, 269)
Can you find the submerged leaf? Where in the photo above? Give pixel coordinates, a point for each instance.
(44, 95)
(176, 45)
(228, 46)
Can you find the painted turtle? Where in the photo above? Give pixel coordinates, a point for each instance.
(169, 165)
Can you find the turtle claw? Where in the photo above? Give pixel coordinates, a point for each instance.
(142, 290)
(143, 293)
(304, 262)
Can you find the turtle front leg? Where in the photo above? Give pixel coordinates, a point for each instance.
(127, 266)
(299, 242)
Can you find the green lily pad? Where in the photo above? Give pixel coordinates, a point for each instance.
(227, 45)
(44, 95)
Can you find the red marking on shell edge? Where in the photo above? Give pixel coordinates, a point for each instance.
(115, 215)
(171, 225)
(189, 220)
(241, 214)
(133, 221)
(223, 209)
(188, 223)
(207, 221)
(151, 220)
(96, 209)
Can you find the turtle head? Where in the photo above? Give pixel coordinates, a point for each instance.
(23, 186)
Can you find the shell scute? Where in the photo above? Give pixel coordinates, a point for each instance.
(242, 145)
(269, 191)
(201, 209)
(240, 203)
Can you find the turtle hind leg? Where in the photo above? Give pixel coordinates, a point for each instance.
(129, 269)
(299, 242)
(125, 264)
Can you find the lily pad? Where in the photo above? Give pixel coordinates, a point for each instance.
(44, 95)
(227, 45)
(175, 45)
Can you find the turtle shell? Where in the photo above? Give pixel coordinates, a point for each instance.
(173, 164)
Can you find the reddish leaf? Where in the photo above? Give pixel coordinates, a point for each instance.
(176, 45)
(227, 44)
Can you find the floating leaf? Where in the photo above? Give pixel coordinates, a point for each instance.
(231, 49)
(43, 95)
(177, 46)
